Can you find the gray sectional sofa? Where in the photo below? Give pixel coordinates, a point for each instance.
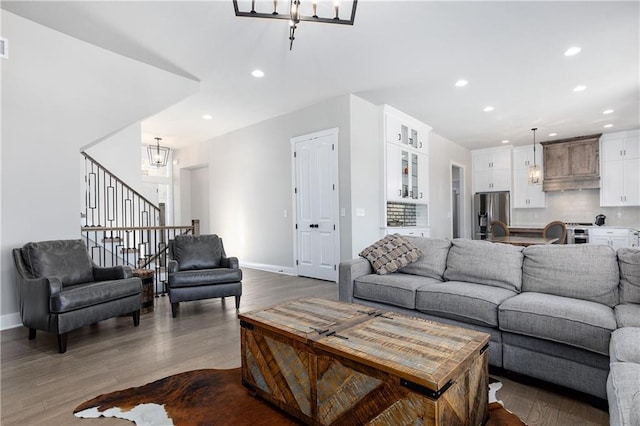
(550, 310)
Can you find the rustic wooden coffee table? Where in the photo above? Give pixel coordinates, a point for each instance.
(330, 363)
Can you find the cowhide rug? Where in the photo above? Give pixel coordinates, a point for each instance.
(214, 397)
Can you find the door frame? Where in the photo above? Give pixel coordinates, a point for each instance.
(334, 132)
(463, 201)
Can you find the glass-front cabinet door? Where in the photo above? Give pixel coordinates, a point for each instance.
(406, 175)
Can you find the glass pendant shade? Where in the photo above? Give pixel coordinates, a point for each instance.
(535, 172)
(535, 175)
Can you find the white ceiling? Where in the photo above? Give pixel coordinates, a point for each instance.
(406, 54)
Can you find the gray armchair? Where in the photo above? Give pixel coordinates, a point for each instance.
(200, 269)
(60, 289)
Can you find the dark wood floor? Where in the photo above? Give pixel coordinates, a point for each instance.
(41, 387)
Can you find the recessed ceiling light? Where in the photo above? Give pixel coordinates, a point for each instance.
(488, 109)
(606, 126)
(607, 111)
(505, 141)
(553, 134)
(207, 117)
(461, 83)
(572, 51)
(579, 88)
(257, 73)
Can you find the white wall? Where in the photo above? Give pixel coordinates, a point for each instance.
(367, 173)
(250, 182)
(60, 94)
(121, 155)
(200, 198)
(441, 153)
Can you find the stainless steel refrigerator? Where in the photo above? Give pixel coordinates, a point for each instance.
(487, 207)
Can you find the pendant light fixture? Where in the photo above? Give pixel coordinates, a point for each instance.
(158, 155)
(535, 173)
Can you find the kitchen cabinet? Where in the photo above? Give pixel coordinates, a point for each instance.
(406, 131)
(613, 237)
(620, 166)
(525, 195)
(491, 169)
(572, 163)
(406, 175)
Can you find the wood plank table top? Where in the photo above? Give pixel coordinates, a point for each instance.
(425, 352)
(523, 241)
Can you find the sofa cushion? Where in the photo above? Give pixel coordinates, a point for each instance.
(629, 262)
(622, 388)
(625, 345)
(575, 322)
(434, 257)
(84, 295)
(390, 253)
(583, 271)
(65, 259)
(627, 315)
(483, 262)
(394, 289)
(204, 277)
(468, 302)
(197, 251)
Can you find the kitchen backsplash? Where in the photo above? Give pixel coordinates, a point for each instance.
(576, 206)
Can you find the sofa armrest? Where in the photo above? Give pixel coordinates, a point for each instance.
(34, 296)
(172, 266)
(229, 262)
(108, 273)
(349, 271)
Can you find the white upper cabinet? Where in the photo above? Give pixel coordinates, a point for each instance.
(406, 131)
(491, 169)
(620, 169)
(525, 195)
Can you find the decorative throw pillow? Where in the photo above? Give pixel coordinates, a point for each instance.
(391, 253)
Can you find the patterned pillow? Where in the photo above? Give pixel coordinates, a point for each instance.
(390, 254)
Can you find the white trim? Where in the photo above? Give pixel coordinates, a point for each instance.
(10, 321)
(335, 132)
(286, 270)
(463, 197)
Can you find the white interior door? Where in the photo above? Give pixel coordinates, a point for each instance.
(316, 199)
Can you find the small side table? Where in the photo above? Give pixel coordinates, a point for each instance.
(147, 277)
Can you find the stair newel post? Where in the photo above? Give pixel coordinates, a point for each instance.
(196, 226)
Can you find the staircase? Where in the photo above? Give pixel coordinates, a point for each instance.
(122, 227)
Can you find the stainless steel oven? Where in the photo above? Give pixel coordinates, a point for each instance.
(578, 233)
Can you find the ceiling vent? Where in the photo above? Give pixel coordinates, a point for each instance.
(4, 48)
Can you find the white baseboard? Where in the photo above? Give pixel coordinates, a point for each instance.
(10, 321)
(269, 268)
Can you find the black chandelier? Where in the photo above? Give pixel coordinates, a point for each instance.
(312, 11)
(158, 155)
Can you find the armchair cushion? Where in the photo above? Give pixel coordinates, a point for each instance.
(65, 259)
(204, 277)
(197, 251)
(85, 295)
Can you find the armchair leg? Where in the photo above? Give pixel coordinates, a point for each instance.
(136, 318)
(32, 333)
(237, 303)
(62, 343)
(174, 309)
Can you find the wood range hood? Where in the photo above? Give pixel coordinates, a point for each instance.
(572, 163)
